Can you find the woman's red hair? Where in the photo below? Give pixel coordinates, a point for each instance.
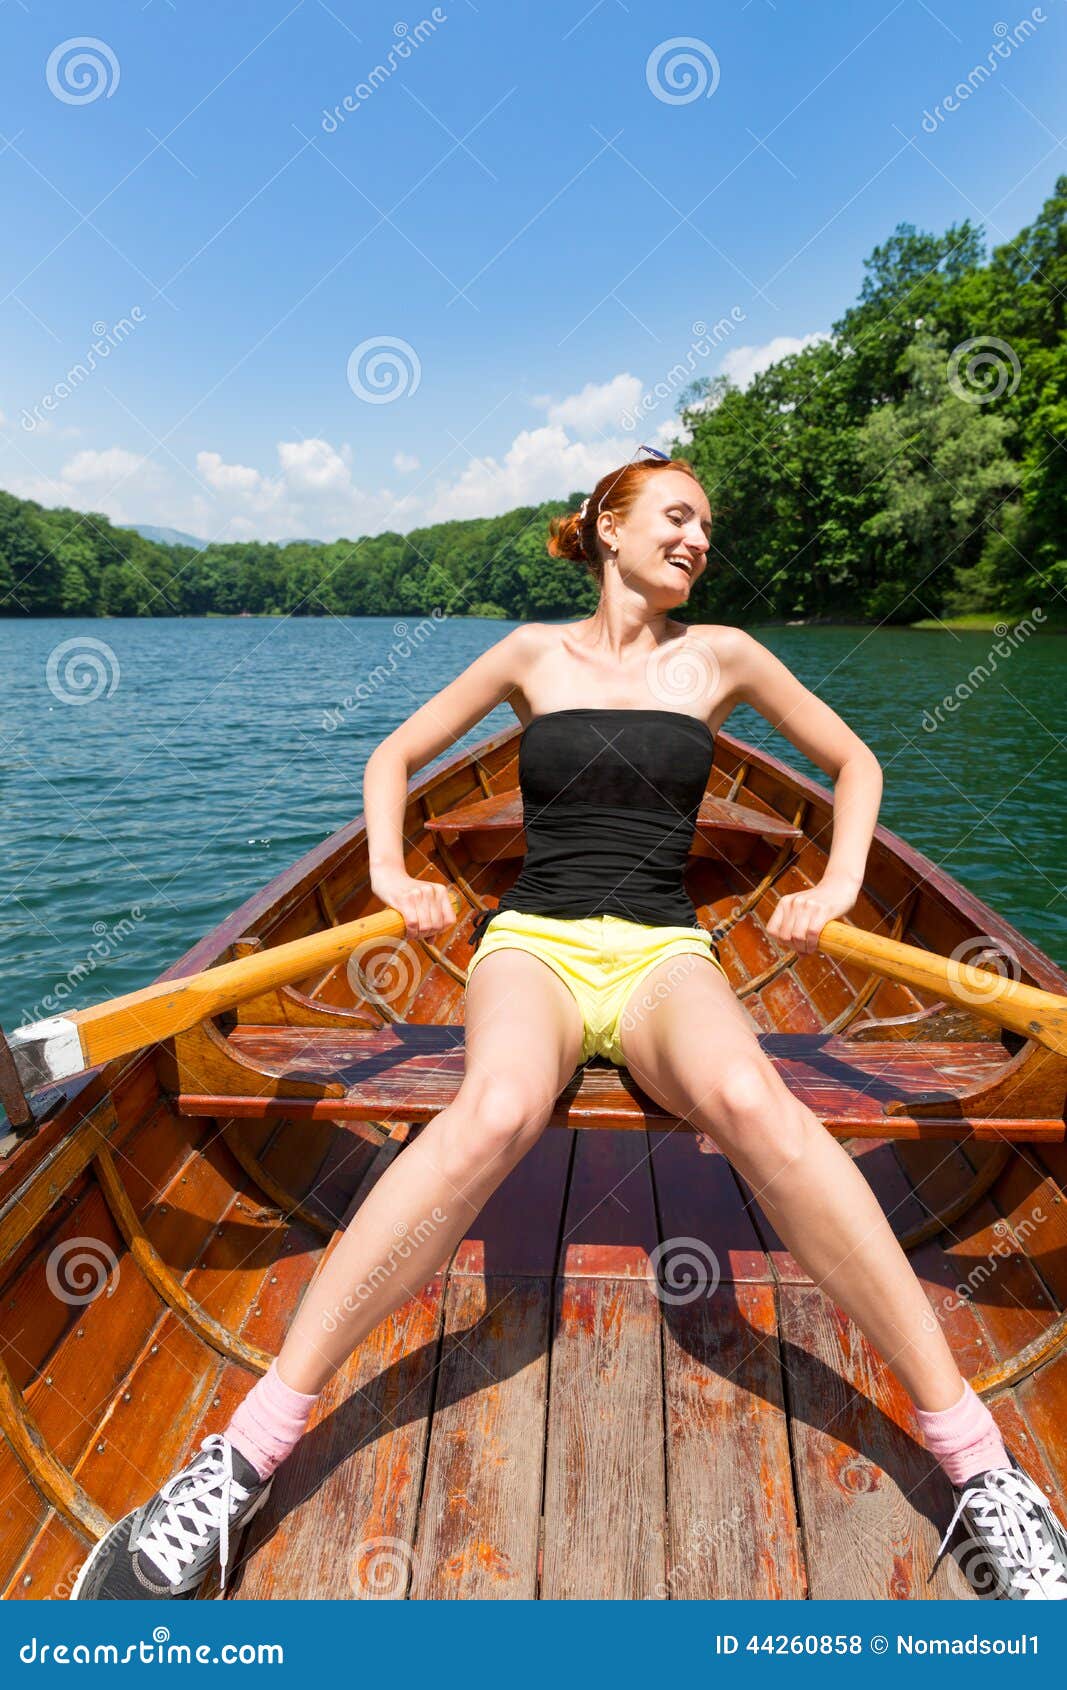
(575, 537)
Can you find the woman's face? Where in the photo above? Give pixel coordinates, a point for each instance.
(663, 541)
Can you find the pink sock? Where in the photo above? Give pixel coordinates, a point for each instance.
(270, 1421)
(964, 1438)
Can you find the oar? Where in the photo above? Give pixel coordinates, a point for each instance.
(1026, 1009)
(55, 1049)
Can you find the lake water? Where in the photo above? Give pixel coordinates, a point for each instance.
(158, 772)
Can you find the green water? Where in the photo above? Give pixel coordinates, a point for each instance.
(207, 755)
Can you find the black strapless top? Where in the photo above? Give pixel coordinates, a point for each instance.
(610, 799)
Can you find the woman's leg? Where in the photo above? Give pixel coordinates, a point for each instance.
(523, 1038)
(696, 1053)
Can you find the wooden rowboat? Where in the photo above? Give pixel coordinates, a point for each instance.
(564, 1411)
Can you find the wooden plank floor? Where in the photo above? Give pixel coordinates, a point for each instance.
(623, 1386)
(541, 1423)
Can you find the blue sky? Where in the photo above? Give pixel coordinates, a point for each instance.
(512, 229)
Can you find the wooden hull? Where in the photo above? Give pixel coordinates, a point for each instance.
(541, 1420)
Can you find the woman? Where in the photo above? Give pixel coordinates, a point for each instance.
(620, 712)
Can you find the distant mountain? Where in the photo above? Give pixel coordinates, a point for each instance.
(168, 536)
(175, 537)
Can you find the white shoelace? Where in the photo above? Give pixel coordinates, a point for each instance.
(208, 1481)
(1000, 1506)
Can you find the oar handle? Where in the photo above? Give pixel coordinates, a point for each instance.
(1026, 1009)
(52, 1050)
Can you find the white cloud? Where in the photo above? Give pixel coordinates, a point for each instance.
(118, 483)
(227, 478)
(405, 463)
(599, 407)
(102, 469)
(313, 466)
(311, 493)
(540, 463)
(741, 363)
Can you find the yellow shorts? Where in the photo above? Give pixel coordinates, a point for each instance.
(601, 958)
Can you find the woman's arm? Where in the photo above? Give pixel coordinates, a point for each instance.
(431, 729)
(756, 677)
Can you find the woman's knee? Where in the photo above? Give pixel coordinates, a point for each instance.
(496, 1116)
(752, 1114)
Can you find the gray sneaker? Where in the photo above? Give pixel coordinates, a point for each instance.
(168, 1546)
(1016, 1547)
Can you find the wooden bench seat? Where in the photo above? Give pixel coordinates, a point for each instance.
(492, 828)
(409, 1072)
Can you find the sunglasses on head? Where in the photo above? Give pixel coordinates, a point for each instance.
(653, 452)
